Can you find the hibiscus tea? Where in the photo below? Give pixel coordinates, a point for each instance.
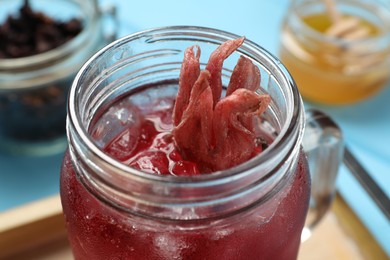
(269, 232)
(128, 192)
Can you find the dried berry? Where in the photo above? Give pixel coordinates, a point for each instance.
(30, 33)
(34, 114)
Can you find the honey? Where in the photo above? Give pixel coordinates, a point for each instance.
(322, 22)
(334, 70)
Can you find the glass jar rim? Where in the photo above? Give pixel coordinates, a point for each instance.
(293, 11)
(291, 130)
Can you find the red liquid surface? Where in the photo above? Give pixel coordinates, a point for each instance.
(97, 231)
(153, 149)
(149, 145)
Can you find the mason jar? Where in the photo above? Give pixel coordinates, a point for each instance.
(255, 210)
(34, 89)
(337, 69)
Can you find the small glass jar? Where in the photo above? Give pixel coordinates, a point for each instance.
(253, 211)
(333, 70)
(34, 89)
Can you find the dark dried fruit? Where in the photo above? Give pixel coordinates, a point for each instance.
(29, 33)
(34, 114)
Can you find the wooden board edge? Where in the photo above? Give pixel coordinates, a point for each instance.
(354, 228)
(40, 223)
(31, 225)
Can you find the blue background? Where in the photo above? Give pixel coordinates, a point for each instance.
(366, 125)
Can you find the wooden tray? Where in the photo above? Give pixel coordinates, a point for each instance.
(36, 231)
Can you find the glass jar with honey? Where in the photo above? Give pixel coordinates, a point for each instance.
(343, 67)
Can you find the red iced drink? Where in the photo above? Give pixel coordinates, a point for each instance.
(153, 175)
(96, 231)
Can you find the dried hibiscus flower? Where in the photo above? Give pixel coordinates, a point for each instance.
(215, 132)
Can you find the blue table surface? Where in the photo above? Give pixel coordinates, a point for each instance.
(366, 125)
